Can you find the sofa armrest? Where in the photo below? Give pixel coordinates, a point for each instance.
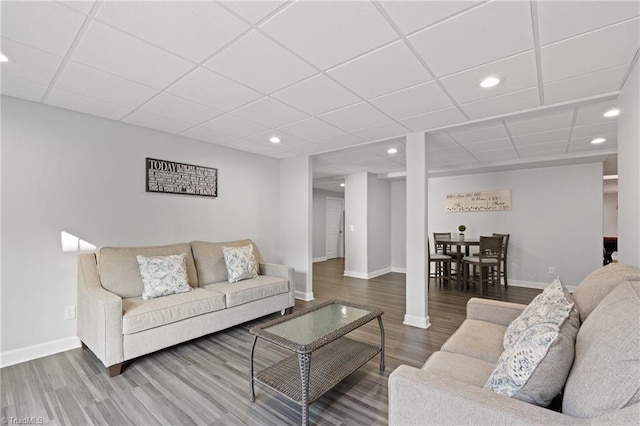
(282, 271)
(418, 397)
(99, 314)
(493, 311)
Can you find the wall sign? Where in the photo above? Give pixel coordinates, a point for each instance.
(179, 178)
(483, 201)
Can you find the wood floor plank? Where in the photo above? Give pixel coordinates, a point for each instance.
(206, 380)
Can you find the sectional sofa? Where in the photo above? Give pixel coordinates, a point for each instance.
(117, 325)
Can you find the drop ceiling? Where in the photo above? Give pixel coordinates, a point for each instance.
(326, 76)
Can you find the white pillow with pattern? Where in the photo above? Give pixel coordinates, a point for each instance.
(241, 263)
(163, 275)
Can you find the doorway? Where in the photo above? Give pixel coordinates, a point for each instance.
(335, 228)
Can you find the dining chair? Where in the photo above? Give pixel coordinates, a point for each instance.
(442, 266)
(486, 266)
(505, 249)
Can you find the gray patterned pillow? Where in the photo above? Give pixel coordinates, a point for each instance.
(539, 349)
(163, 275)
(241, 263)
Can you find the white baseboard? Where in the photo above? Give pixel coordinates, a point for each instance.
(307, 297)
(352, 274)
(534, 284)
(367, 276)
(320, 259)
(420, 322)
(18, 356)
(399, 270)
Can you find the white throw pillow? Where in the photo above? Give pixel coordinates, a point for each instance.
(241, 263)
(163, 275)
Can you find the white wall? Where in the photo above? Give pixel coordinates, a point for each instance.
(295, 220)
(629, 170)
(399, 226)
(610, 215)
(378, 226)
(355, 211)
(555, 221)
(65, 171)
(320, 221)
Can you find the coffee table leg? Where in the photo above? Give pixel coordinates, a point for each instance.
(381, 344)
(304, 360)
(253, 395)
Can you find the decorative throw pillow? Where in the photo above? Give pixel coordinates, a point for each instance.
(538, 355)
(241, 263)
(163, 275)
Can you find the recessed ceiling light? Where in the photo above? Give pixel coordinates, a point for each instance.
(610, 177)
(274, 139)
(343, 185)
(598, 140)
(613, 112)
(490, 82)
(392, 151)
(3, 58)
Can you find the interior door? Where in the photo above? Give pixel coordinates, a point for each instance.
(335, 208)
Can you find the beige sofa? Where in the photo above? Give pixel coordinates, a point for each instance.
(117, 325)
(603, 384)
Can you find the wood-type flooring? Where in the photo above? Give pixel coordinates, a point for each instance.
(206, 381)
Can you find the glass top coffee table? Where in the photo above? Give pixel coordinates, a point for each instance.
(319, 330)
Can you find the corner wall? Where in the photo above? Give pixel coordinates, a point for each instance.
(66, 171)
(320, 222)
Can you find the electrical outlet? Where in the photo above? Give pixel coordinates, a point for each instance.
(552, 270)
(69, 312)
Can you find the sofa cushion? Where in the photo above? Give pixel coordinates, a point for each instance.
(241, 263)
(477, 339)
(249, 290)
(606, 371)
(598, 284)
(210, 260)
(140, 315)
(460, 367)
(120, 273)
(163, 275)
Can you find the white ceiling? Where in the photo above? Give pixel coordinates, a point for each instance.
(327, 75)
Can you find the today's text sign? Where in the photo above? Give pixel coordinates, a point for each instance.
(483, 201)
(179, 178)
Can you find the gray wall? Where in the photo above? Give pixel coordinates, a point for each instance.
(610, 215)
(320, 220)
(399, 226)
(65, 171)
(355, 209)
(378, 225)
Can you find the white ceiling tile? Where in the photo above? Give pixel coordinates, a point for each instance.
(517, 72)
(208, 88)
(605, 48)
(170, 106)
(434, 120)
(593, 113)
(306, 148)
(316, 95)
(269, 112)
(478, 133)
(327, 33)
(387, 130)
(254, 11)
(561, 19)
(156, 122)
(561, 135)
(100, 85)
(481, 35)
(489, 145)
(209, 28)
(232, 125)
(44, 25)
(413, 15)
(585, 85)
(543, 149)
(496, 155)
(75, 102)
(420, 99)
(594, 130)
(340, 141)
(540, 123)
(385, 70)
(208, 135)
(311, 129)
(29, 63)
(113, 51)
(584, 144)
(355, 117)
(278, 67)
(246, 145)
(287, 140)
(503, 104)
(23, 89)
(83, 6)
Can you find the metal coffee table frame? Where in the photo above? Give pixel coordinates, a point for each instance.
(335, 358)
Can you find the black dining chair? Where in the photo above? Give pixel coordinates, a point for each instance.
(505, 250)
(486, 266)
(442, 267)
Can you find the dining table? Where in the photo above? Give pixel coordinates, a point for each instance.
(457, 255)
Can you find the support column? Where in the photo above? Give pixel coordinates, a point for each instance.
(417, 186)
